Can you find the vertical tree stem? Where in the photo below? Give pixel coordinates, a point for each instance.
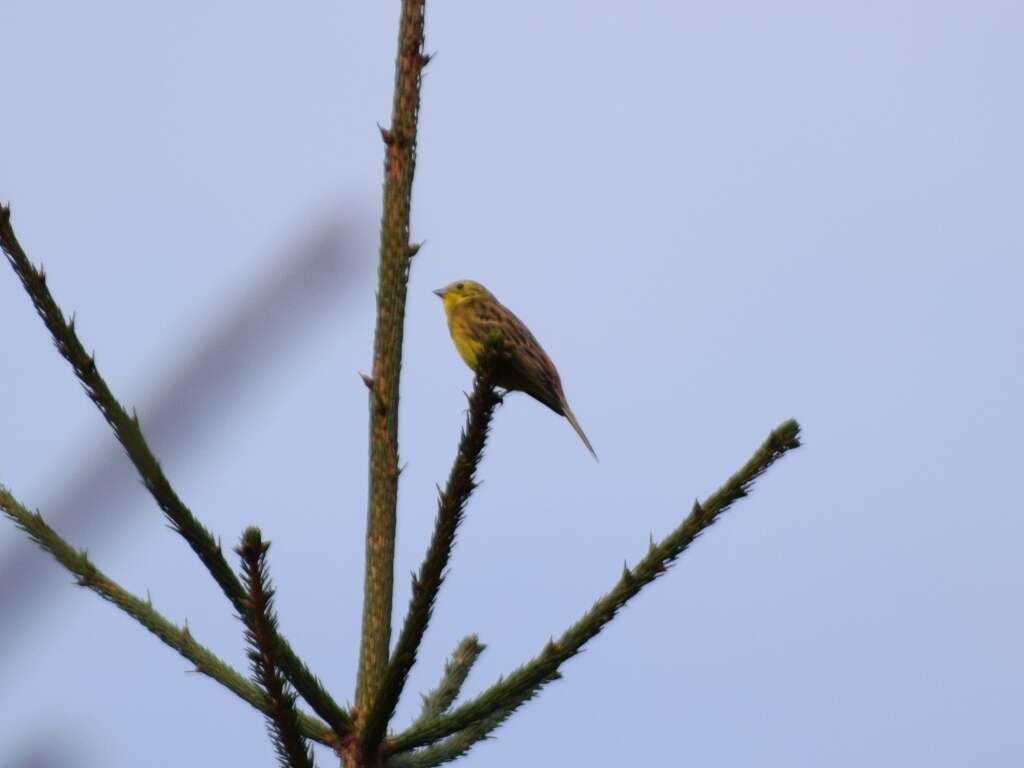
(395, 256)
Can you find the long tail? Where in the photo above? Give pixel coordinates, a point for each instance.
(579, 430)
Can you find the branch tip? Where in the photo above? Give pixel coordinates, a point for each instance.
(456, 671)
(261, 622)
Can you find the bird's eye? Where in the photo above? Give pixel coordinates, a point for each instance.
(459, 286)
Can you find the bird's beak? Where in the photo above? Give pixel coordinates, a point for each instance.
(439, 292)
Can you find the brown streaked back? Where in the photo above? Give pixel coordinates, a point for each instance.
(524, 366)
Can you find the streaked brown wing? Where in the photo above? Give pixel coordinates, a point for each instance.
(525, 367)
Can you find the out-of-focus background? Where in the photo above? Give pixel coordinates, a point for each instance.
(715, 216)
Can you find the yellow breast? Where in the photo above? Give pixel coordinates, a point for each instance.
(460, 320)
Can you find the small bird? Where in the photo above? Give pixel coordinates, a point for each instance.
(474, 317)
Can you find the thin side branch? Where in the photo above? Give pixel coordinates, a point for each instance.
(176, 637)
(456, 670)
(504, 697)
(425, 586)
(440, 701)
(261, 623)
(129, 433)
(393, 277)
(451, 748)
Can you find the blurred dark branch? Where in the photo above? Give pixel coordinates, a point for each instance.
(129, 433)
(505, 696)
(310, 274)
(261, 628)
(178, 638)
(396, 254)
(450, 508)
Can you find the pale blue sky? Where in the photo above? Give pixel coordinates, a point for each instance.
(715, 216)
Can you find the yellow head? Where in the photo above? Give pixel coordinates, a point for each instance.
(459, 291)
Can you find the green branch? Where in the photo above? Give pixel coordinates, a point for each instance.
(427, 584)
(261, 627)
(438, 702)
(395, 258)
(129, 433)
(178, 638)
(456, 670)
(520, 686)
(451, 748)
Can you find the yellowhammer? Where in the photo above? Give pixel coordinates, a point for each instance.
(474, 317)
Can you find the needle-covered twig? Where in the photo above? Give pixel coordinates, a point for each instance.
(129, 433)
(453, 747)
(293, 751)
(456, 670)
(508, 694)
(176, 637)
(427, 583)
